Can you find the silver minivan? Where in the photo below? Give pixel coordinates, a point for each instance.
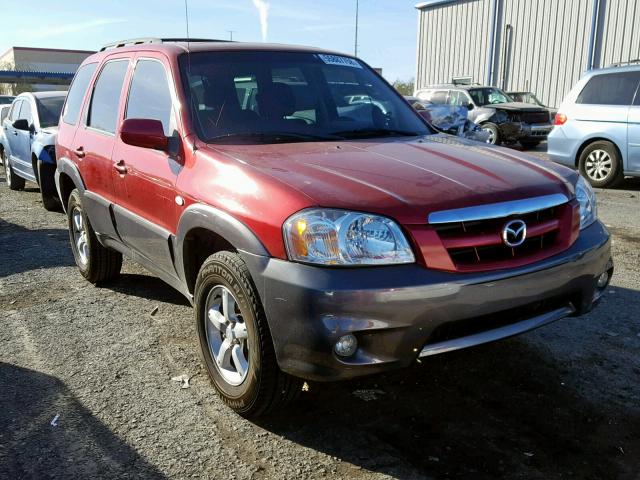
(597, 127)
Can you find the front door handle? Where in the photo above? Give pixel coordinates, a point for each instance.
(79, 152)
(120, 167)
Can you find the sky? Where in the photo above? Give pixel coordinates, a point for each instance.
(387, 28)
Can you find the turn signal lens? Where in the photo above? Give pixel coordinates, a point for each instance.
(560, 119)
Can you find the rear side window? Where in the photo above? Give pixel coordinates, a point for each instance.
(76, 93)
(610, 89)
(150, 96)
(4, 111)
(103, 110)
(436, 96)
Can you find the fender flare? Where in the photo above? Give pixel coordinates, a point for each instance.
(221, 223)
(67, 167)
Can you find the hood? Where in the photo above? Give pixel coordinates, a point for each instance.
(518, 106)
(404, 178)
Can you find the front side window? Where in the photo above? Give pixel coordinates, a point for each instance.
(25, 112)
(76, 93)
(15, 111)
(267, 97)
(488, 96)
(150, 96)
(610, 89)
(103, 110)
(49, 109)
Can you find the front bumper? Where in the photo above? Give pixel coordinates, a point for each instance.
(514, 131)
(400, 312)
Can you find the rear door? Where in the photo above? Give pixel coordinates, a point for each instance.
(11, 133)
(633, 135)
(94, 141)
(145, 185)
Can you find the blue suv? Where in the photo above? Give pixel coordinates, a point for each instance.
(28, 143)
(597, 128)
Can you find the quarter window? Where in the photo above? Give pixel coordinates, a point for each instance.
(610, 89)
(103, 111)
(76, 93)
(150, 96)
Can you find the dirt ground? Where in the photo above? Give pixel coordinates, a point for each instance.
(562, 402)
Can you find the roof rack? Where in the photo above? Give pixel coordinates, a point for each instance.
(620, 64)
(142, 41)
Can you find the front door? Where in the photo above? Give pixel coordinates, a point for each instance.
(145, 183)
(21, 144)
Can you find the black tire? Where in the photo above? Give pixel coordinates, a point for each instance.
(494, 133)
(14, 182)
(615, 174)
(99, 263)
(265, 387)
(48, 192)
(529, 143)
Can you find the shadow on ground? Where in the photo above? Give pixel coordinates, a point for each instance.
(504, 410)
(80, 446)
(24, 249)
(147, 287)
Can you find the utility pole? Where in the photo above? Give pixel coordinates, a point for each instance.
(231, 32)
(356, 45)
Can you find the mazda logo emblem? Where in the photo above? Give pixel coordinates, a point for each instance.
(514, 233)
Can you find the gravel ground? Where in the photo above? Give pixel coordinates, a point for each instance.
(560, 402)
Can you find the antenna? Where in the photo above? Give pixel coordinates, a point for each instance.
(356, 45)
(231, 32)
(186, 17)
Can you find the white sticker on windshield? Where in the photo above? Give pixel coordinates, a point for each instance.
(338, 60)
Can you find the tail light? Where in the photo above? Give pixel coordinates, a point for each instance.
(560, 119)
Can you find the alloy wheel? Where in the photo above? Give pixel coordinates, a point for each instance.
(227, 336)
(598, 165)
(80, 235)
(492, 135)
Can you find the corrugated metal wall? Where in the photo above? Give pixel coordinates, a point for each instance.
(541, 45)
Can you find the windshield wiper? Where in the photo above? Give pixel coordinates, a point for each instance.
(274, 137)
(374, 132)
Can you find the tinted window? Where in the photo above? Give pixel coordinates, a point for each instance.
(149, 95)
(15, 110)
(49, 109)
(103, 110)
(610, 89)
(267, 97)
(76, 93)
(25, 112)
(6, 100)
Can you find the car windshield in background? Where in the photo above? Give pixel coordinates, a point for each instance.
(49, 109)
(271, 97)
(526, 97)
(488, 96)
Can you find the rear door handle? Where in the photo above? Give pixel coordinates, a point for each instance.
(120, 167)
(79, 152)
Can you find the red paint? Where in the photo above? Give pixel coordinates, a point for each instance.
(262, 185)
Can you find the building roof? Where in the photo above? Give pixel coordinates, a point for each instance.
(433, 3)
(52, 50)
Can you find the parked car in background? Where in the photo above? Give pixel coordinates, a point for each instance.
(28, 151)
(4, 111)
(597, 127)
(530, 97)
(6, 99)
(321, 230)
(503, 119)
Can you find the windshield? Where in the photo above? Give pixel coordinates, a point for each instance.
(488, 96)
(527, 97)
(269, 97)
(49, 109)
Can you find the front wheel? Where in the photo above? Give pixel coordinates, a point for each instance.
(494, 133)
(235, 341)
(95, 262)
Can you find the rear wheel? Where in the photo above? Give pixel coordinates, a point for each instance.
(13, 181)
(235, 341)
(494, 133)
(600, 164)
(46, 172)
(95, 262)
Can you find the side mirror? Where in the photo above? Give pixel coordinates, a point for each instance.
(145, 133)
(470, 106)
(21, 124)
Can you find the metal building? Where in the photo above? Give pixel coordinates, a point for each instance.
(542, 46)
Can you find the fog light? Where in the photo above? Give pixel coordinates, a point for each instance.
(603, 279)
(346, 345)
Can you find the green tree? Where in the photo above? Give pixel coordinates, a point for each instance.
(404, 87)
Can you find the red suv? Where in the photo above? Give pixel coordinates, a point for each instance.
(319, 226)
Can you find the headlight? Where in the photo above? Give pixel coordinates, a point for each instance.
(587, 200)
(340, 237)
